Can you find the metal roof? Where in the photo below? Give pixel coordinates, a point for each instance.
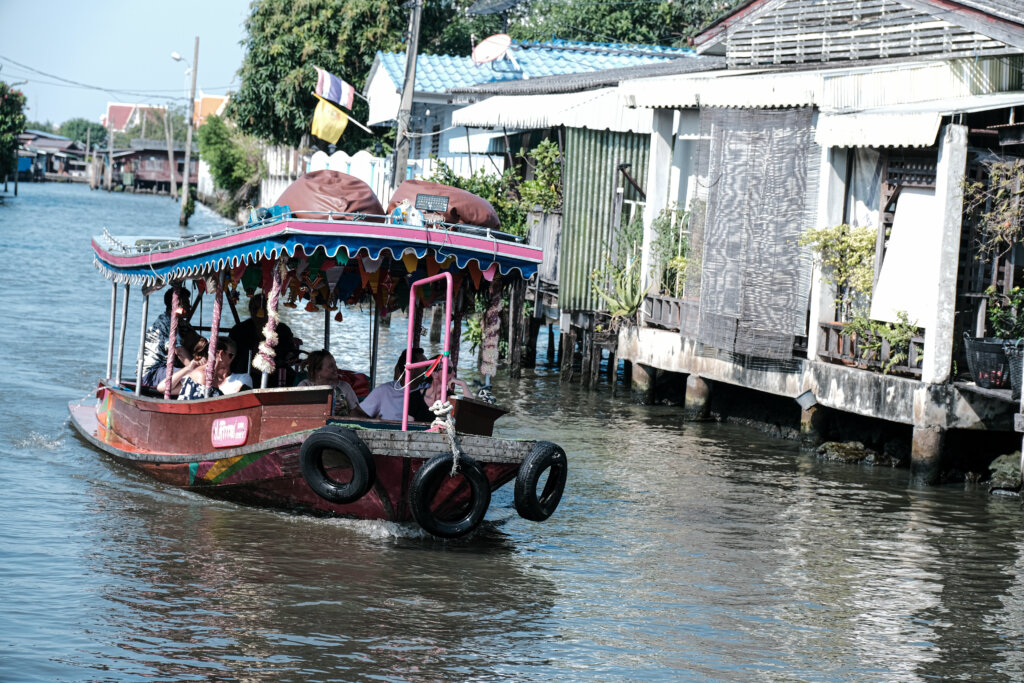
(441, 73)
(595, 79)
(849, 88)
(1002, 19)
(594, 109)
(907, 125)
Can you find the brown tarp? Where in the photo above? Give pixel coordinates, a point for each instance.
(463, 207)
(327, 191)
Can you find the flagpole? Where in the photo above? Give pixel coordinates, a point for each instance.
(348, 116)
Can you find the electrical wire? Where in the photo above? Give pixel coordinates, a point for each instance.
(70, 83)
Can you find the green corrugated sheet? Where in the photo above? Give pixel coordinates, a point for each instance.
(590, 179)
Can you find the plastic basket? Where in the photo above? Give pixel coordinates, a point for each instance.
(987, 362)
(1014, 351)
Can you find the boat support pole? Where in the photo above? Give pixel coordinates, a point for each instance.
(142, 344)
(327, 328)
(110, 336)
(124, 328)
(374, 339)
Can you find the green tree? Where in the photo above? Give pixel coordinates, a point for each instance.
(234, 159)
(83, 130)
(501, 191)
(44, 126)
(285, 39)
(12, 124)
(650, 23)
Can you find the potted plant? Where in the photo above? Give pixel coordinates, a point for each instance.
(995, 204)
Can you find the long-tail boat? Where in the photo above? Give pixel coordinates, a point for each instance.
(283, 447)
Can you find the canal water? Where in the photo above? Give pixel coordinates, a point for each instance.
(680, 552)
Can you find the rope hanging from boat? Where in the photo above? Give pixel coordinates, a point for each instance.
(264, 360)
(218, 301)
(443, 420)
(172, 340)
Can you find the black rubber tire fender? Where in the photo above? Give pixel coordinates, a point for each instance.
(425, 484)
(344, 441)
(544, 455)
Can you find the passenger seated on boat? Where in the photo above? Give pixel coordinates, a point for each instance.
(195, 365)
(157, 336)
(193, 385)
(249, 333)
(235, 382)
(433, 392)
(386, 401)
(322, 370)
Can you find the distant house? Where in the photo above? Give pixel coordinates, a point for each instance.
(207, 106)
(145, 166)
(439, 76)
(45, 153)
(123, 116)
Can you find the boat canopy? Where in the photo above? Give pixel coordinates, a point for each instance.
(154, 261)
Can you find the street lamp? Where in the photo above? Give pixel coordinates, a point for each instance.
(183, 218)
(188, 70)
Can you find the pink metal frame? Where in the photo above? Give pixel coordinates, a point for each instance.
(409, 365)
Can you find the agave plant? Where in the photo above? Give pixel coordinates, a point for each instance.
(624, 296)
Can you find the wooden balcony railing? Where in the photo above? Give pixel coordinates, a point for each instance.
(873, 353)
(670, 313)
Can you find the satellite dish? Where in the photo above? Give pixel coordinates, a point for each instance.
(491, 48)
(491, 6)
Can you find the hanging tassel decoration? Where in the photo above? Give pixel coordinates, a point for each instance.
(264, 360)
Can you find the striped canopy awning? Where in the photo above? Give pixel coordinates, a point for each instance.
(149, 261)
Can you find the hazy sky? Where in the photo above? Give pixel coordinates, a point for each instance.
(116, 45)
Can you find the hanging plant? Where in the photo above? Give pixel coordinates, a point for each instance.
(995, 203)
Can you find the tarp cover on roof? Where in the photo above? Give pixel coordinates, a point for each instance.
(329, 191)
(463, 207)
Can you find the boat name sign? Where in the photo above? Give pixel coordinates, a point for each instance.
(229, 431)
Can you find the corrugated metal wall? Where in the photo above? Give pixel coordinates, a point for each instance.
(590, 178)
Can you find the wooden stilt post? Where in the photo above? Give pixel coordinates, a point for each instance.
(516, 297)
(532, 330)
(551, 343)
(568, 352)
(587, 341)
(612, 370)
(436, 323)
(417, 324)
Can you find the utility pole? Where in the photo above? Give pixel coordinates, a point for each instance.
(110, 153)
(405, 108)
(183, 219)
(173, 186)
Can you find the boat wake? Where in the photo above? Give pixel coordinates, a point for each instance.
(381, 530)
(39, 442)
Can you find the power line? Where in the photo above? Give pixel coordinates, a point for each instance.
(69, 83)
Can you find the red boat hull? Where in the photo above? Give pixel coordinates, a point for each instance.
(172, 441)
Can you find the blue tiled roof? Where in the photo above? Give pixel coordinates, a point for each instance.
(440, 73)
